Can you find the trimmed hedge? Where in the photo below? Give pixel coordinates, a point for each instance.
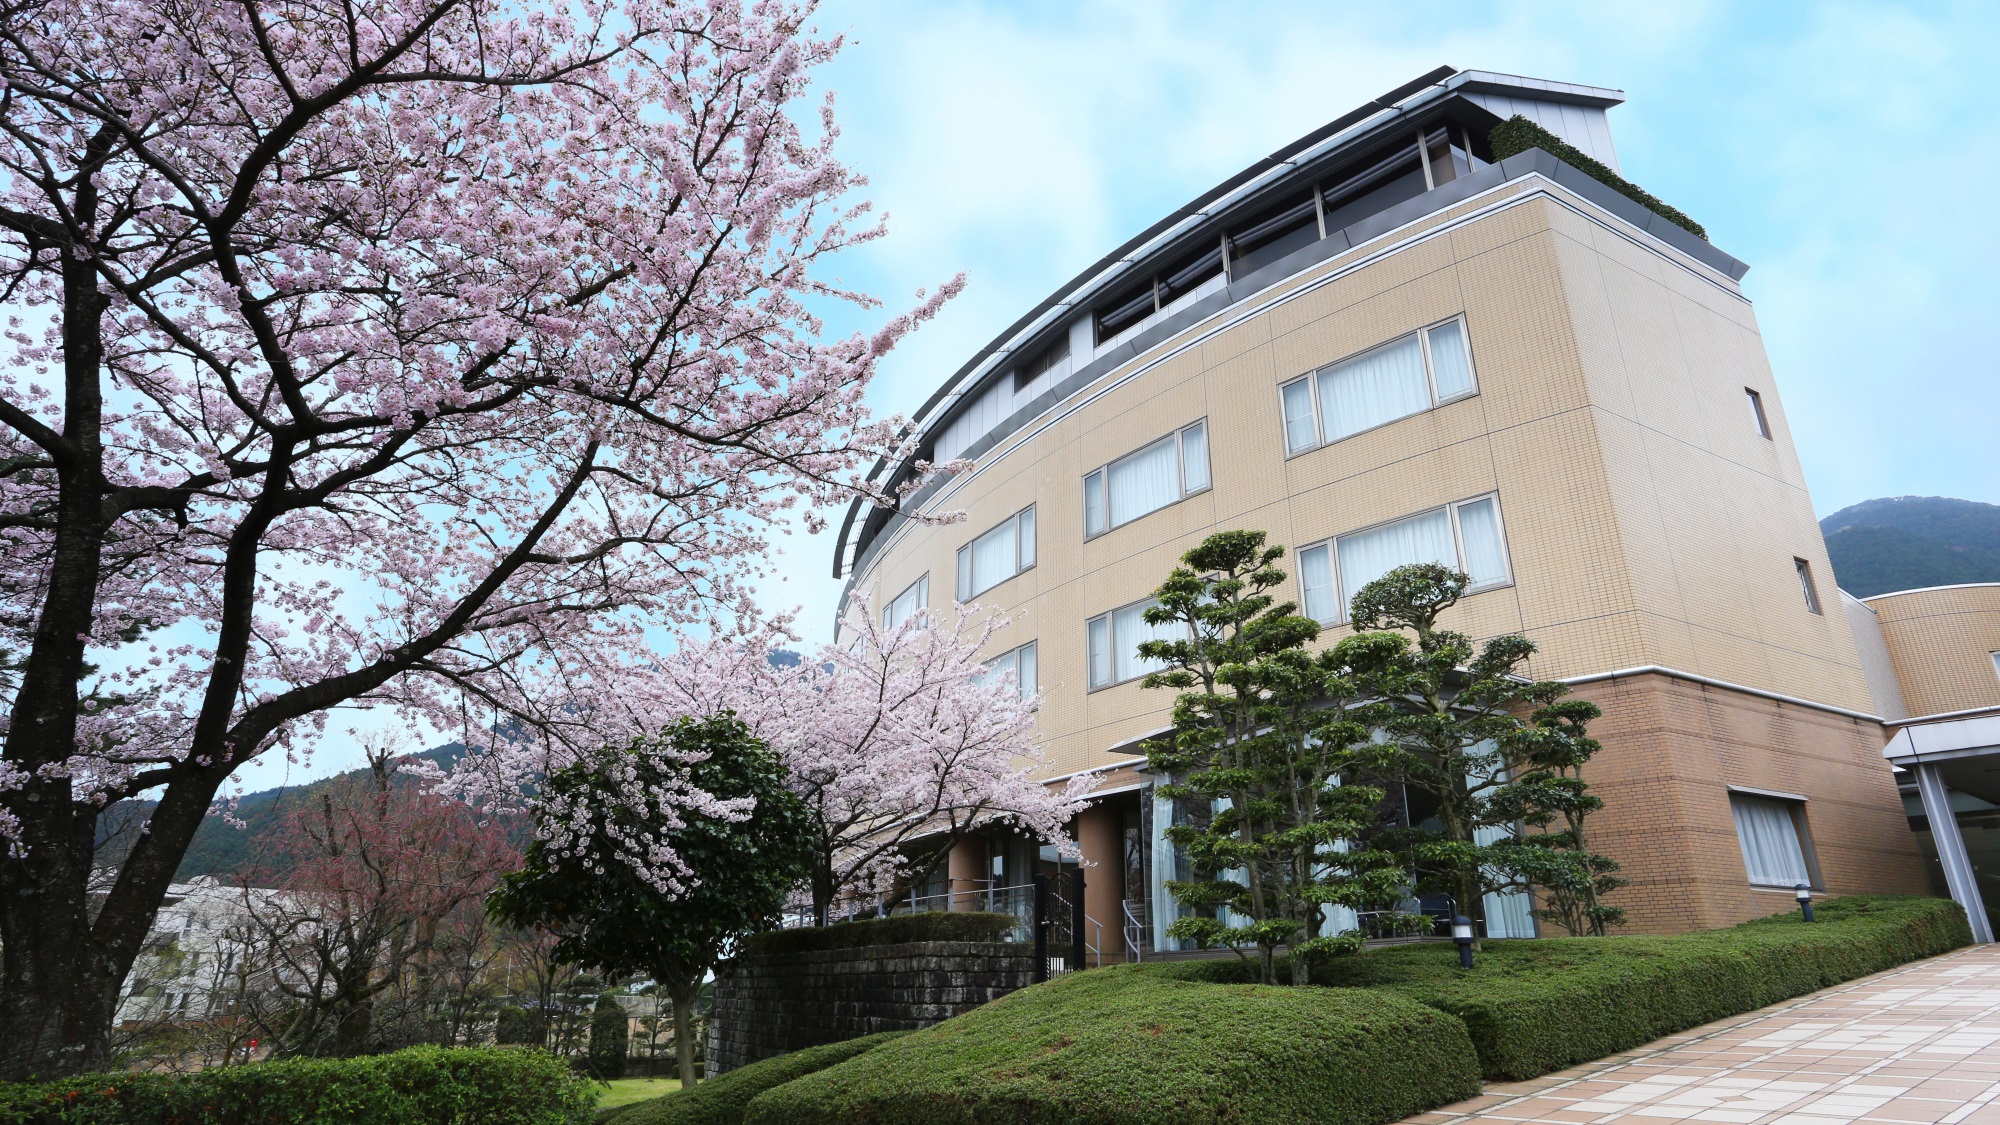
(1517, 135)
(1536, 1006)
(1136, 1043)
(428, 1085)
(720, 1100)
(931, 925)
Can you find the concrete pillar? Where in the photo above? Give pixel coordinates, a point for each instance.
(1958, 873)
(1098, 829)
(964, 868)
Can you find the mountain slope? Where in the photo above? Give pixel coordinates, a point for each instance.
(1905, 542)
(218, 848)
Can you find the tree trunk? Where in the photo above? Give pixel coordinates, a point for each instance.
(57, 988)
(684, 1034)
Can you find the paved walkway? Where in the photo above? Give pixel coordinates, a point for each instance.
(1919, 1045)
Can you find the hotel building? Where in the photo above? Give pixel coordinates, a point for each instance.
(1381, 345)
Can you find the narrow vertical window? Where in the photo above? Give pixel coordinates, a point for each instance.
(1093, 504)
(1100, 652)
(1806, 585)
(1024, 667)
(1760, 425)
(1996, 662)
(1483, 553)
(1318, 599)
(1194, 458)
(1299, 433)
(1451, 367)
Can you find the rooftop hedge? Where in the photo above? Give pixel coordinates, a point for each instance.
(1517, 135)
(720, 1100)
(420, 1086)
(1136, 1043)
(931, 925)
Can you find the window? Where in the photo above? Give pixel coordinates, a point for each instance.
(1772, 831)
(908, 603)
(1041, 371)
(1466, 535)
(1996, 662)
(1020, 662)
(998, 555)
(1400, 378)
(1806, 585)
(1760, 425)
(1163, 473)
(1115, 638)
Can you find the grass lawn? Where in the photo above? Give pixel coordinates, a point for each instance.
(625, 1091)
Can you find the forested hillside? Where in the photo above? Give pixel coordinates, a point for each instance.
(1904, 542)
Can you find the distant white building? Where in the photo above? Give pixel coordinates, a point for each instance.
(191, 965)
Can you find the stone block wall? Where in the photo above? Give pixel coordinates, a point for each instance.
(769, 1005)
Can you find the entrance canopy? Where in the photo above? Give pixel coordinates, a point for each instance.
(1955, 761)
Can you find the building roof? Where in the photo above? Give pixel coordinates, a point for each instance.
(1565, 108)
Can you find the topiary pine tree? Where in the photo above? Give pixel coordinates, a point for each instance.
(1450, 714)
(1262, 738)
(610, 1038)
(744, 853)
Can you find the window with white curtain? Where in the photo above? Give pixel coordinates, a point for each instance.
(1465, 536)
(998, 555)
(1020, 662)
(1772, 832)
(1115, 638)
(1405, 376)
(1163, 473)
(907, 604)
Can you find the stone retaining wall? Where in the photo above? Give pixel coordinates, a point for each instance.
(768, 1005)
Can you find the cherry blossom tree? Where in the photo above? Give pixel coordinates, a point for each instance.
(374, 872)
(900, 741)
(409, 353)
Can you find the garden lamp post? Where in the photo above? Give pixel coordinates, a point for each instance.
(1805, 900)
(1461, 932)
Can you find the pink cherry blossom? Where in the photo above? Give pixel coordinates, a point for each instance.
(417, 354)
(899, 739)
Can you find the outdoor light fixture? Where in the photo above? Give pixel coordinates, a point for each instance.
(1805, 900)
(1461, 932)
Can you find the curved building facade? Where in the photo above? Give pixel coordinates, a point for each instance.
(1383, 345)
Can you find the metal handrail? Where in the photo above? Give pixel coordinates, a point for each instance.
(1133, 931)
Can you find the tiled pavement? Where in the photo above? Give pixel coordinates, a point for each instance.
(1919, 1045)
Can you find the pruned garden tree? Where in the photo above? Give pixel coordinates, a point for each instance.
(1263, 738)
(1492, 748)
(900, 741)
(409, 353)
(742, 860)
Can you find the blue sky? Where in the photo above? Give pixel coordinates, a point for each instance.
(1849, 152)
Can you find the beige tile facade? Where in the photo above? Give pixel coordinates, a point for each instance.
(1646, 523)
(1941, 642)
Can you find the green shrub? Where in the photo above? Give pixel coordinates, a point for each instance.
(720, 1100)
(931, 925)
(1517, 134)
(1138, 1044)
(1536, 1006)
(423, 1085)
(610, 1036)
